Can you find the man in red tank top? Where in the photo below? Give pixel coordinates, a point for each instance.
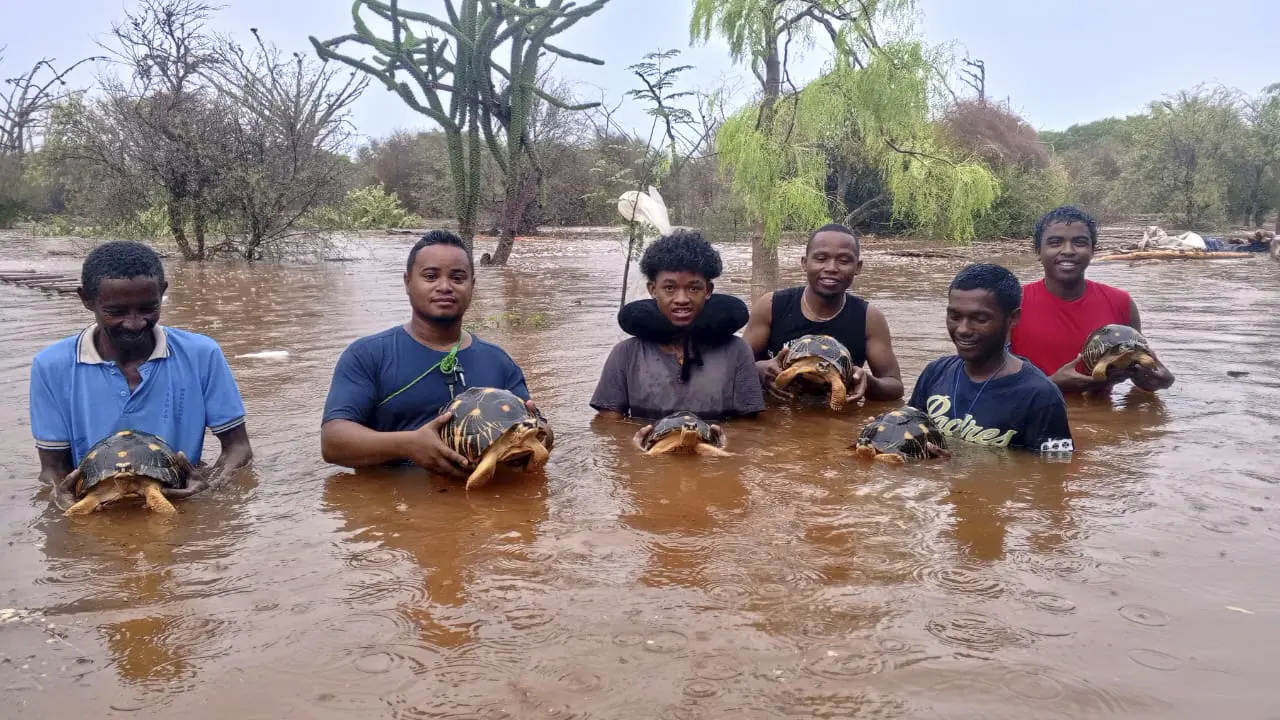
(1060, 310)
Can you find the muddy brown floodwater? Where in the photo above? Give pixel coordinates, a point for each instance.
(1139, 580)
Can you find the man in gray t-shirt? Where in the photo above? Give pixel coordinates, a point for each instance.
(675, 368)
(642, 379)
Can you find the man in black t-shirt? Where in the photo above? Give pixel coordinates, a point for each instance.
(832, 259)
(984, 394)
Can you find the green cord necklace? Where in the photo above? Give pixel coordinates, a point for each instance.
(447, 365)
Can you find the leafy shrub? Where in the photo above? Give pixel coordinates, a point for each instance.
(1025, 195)
(366, 208)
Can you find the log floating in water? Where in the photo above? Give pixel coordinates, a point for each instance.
(1175, 255)
(48, 282)
(925, 254)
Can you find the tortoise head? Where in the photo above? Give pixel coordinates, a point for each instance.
(687, 423)
(690, 436)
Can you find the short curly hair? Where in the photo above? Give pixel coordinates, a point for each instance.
(681, 251)
(995, 278)
(119, 259)
(1064, 214)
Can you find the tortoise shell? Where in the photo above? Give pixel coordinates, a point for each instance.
(676, 422)
(905, 431)
(822, 346)
(1112, 339)
(130, 452)
(481, 415)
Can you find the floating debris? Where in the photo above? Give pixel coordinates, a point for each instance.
(1175, 255)
(48, 282)
(267, 354)
(1240, 610)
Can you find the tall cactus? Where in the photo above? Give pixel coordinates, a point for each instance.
(455, 57)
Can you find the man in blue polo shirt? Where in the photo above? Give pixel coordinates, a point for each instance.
(127, 372)
(388, 388)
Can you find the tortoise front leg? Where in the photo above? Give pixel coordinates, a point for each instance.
(1100, 368)
(156, 499)
(838, 391)
(97, 497)
(711, 450)
(484, 469)
(667, 444)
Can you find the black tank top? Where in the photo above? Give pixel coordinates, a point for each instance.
(849, 326)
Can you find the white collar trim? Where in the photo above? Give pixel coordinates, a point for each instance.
(87, 352)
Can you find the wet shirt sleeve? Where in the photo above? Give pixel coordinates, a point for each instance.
(748, 395)
(514, 381)
(223, 406)
(50, 425)
(611, 390)
(1048, 430)
(920, 391)
(352, 391)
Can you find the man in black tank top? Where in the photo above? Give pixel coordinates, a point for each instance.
(832, 259)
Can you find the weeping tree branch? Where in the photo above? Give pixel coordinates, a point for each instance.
(905, 151)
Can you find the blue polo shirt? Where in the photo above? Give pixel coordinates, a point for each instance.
(378, 381)
(77, 398)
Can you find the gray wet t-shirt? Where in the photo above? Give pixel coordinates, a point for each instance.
(641, 380)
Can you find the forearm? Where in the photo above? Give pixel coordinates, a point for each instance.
(51, 476)
(54, 468)
(231, 459)
(353, 445)
(885, 388)
(1081, 384)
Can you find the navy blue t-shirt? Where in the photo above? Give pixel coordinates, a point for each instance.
(1024, 410)
(373, 368)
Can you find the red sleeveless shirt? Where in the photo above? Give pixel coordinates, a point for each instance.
(1051, 330)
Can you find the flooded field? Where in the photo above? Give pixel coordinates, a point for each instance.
(1139, 580)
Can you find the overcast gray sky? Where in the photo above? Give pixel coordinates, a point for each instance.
(1057, 62)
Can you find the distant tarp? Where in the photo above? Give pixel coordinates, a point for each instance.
(1155, 238)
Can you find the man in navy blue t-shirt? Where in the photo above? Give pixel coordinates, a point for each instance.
(984, 394)
(388, 388)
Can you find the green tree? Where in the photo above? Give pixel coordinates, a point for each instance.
(460, 69)
(1183, 153)
(1266, 130)
(776, 150)
(760, 33)
(1094, 156)
(1032, 181)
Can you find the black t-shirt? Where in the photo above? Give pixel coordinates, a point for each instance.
(787, 322)
(1025, 410)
